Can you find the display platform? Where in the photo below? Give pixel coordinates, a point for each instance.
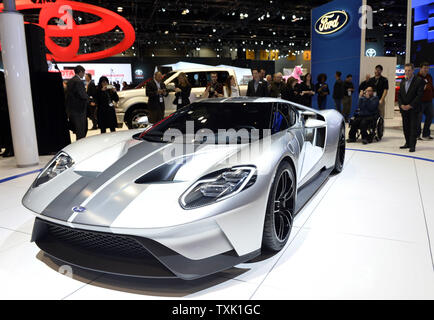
(365, 235)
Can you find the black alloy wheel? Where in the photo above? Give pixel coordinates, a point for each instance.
(280, 209)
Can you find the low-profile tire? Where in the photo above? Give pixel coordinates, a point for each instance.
(340, 152)
(135, 115)
(280, 213)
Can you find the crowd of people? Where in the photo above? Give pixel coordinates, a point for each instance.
(415, 97)
(96, 102)
(87, 100)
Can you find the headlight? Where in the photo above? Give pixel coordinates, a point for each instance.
(59, 164)
(218, 186)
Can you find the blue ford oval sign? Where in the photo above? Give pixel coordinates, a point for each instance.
(79, 209)
(331, 22)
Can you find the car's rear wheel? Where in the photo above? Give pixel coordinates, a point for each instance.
(133, 121)
(280, 209)
(340, 152)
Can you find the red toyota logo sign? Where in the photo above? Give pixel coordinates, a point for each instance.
(62, 10)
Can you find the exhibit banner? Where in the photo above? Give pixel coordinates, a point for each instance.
(336, 43)
(114, 72)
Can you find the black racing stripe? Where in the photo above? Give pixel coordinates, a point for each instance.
(115, 197)
(134, 154)
(107, 205)
(61, 207)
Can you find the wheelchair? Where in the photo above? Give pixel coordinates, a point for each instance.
(375, 130)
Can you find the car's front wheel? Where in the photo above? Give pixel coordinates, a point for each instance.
(280, 209)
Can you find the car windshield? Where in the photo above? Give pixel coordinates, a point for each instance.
(214, 117)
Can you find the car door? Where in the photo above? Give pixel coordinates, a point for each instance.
(314, 136)
(198, 81)
(294, 130)
(171, 83)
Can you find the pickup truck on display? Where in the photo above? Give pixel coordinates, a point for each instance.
(133, 104)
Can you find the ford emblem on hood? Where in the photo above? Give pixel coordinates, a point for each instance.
(79, 209)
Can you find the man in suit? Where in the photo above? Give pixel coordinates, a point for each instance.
(156, 91)
(338, 91)
(277, 85)
(76, 103)
(91, 107)
(409, 100)
(257, 87)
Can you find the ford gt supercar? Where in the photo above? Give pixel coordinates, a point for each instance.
(207, 188)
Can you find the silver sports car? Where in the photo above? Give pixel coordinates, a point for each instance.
(209, 187)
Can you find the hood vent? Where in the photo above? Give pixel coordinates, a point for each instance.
(161, 174)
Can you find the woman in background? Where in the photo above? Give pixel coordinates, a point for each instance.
(182, 92)
(323, 91)
(289, 91)
(105, 95)
(231, 88)
(306, 90)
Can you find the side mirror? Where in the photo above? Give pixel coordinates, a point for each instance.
(308, 114)
(314, 124)
(143, 121)
(170, 86)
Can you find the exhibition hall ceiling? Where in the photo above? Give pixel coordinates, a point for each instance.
(253, 24)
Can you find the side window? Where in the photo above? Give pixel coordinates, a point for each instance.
(280, 118)
(292, 116)
(197, 79)
(222, 76)
(289, 112)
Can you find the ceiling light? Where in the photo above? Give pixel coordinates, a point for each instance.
(283, 17)
(166, 32)
(120, 9)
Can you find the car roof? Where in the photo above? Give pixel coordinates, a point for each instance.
(244, 100)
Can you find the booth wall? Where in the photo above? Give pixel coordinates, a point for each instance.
(339, 51)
